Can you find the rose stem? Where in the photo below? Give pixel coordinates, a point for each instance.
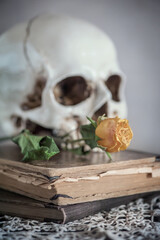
(109, 156)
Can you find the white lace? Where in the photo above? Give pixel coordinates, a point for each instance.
(136, 221)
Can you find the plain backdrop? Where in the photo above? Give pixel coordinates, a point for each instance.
(134, 27)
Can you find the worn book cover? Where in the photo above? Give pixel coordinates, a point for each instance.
(69, 179)
(17, 205)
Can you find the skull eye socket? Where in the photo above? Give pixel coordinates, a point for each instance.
(34, 99)
(72, 90)
(113, 84)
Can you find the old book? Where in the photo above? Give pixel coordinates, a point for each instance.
(67, 179)
(17, 205)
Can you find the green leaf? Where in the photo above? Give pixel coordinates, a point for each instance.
(88, 134)
(35, 147)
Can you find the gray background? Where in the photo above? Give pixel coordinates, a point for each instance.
(134, 26)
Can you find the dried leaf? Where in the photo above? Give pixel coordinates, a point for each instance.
(35, 147)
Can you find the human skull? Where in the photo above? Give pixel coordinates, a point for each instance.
(55, 71)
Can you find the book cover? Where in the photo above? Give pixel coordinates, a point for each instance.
(17, 205)
(68, 179)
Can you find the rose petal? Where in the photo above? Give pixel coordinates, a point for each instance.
(115, 134)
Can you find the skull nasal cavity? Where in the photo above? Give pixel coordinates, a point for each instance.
(113, 84)
(72, 90)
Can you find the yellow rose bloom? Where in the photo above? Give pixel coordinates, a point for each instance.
(115, 134)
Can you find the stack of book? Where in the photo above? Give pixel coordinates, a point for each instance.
(69, 187)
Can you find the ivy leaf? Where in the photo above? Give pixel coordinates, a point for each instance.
(88, 134)
(35, 147)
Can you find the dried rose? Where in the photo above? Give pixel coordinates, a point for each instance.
(115, 134)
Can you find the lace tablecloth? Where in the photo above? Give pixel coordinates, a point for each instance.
(135, 221)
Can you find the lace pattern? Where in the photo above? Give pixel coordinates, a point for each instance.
(135, 221)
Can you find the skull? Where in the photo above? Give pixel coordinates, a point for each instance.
(55, 71)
